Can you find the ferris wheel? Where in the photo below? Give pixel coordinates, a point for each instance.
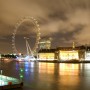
(36, 28)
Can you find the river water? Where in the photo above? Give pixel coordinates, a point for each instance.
(49, 76)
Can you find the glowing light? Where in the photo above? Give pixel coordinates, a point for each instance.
(69, 69)
(6, 59)
(69, 55)
(46, 56)
(4, 80)
(28, 58)
(21, 76)
(87, 55)
(21, 70)
(26, 70)
(46, 68)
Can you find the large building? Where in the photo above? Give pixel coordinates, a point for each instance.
(87, 55)
(45, 43)
(46, 54)
(65, 53)
(85, 52)
(68, 53)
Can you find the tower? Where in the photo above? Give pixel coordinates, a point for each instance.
(73, 45)
(45, 43)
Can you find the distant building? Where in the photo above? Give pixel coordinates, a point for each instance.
(45, 43)
(46, 54)
(84, 52)
(65, 53)
(87, 55)
(68, 53)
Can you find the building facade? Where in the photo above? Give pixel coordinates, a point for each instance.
(46, 54)
(45, 43)
(65, 53)
(68, 53)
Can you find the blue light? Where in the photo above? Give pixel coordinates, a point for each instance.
(26, 70)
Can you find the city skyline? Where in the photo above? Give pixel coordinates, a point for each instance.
(63, 20)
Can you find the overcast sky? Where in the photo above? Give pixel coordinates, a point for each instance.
(63, 20)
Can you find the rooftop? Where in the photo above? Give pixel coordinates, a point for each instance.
(47, 50)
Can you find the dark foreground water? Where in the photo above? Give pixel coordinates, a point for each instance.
(49, 76)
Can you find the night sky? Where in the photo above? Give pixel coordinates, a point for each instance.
(63, 20)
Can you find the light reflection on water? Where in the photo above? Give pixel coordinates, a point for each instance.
(50, 76)
(69, 69)
(46, 68)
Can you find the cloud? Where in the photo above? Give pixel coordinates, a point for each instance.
(82, 17)
(63, 20)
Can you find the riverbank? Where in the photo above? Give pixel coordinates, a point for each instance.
(58, 61)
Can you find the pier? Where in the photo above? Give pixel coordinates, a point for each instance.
(9, 82)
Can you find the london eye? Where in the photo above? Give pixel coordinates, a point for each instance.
(21, 32)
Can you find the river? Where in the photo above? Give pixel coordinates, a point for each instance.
(49, 76)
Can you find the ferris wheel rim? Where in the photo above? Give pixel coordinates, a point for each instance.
(35, 22)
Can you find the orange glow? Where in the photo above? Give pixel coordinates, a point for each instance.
(69, 55)
(46, 68)
(20, 54)
(72, 72)
(69, 69)
(46, 56)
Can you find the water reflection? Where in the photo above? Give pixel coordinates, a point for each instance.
(50, 76)
(46, 68)
(61, 69)
(25, 69)
(69, 69)
(61, 75)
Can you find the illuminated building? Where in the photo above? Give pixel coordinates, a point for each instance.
(8, 56)
(46, 54)
(87, 55)
(45, 43)
(0, 55)
(68, 53)
(84, 52)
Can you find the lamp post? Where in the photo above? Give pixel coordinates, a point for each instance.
(1, 71)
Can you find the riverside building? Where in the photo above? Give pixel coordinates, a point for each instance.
(66, 53)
